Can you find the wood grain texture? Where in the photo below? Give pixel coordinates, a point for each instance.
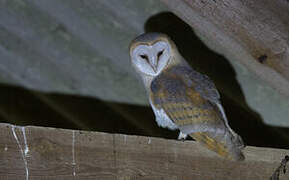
(253, 33)
(69, 154)
(81, 42)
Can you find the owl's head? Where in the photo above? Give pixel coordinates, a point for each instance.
(151, 53)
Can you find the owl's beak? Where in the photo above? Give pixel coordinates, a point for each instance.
(154, 64)
(155, 67)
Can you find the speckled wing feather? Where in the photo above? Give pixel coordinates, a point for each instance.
(190, 100)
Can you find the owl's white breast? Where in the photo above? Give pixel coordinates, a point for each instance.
(162, 118)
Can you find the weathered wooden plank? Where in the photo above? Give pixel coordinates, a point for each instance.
(254, 35)
(247, 29)
(47, 153)
(81, 42)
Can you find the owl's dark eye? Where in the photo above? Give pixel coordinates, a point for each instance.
(143, 56)
(160, 53)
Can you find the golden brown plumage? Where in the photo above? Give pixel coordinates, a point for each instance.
(186, 107)
(183, 98)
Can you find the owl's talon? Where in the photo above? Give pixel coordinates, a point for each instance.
(182, 136)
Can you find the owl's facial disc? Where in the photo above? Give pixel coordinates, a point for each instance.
(151, 59)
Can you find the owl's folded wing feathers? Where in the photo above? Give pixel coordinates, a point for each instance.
(191, 101)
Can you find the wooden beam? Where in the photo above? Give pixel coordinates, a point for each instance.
(254, 33)
(43, 153)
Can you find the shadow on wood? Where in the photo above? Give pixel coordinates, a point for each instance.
(24, 107)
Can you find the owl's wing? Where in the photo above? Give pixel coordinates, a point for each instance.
(200, 82)
(193, 107)
(208, 90)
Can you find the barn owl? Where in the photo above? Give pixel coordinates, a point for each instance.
(181, 98)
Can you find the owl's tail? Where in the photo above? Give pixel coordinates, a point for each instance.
(223, 149)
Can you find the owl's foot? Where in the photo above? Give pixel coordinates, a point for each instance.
(182, 136)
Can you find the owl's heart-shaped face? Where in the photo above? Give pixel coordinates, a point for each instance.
(151, 59)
